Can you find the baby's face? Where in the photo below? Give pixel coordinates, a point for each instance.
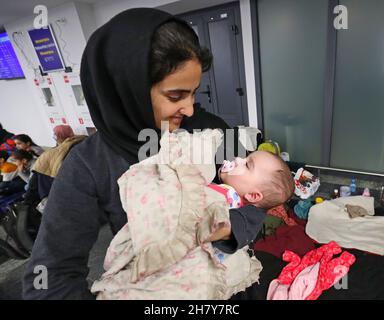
(245, 175)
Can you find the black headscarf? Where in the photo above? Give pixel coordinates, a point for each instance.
(116, 83)
(115, 78)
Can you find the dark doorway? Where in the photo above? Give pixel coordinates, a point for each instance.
(222, 89)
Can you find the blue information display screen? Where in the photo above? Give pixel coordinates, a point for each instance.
(9, 65)
(46, 49)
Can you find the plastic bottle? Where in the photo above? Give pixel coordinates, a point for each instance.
(366, 193)
(353, 186)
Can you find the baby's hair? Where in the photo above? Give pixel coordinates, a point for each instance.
(279, 187)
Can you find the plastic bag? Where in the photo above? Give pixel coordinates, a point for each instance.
(306, 184)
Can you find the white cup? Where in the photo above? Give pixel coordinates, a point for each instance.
(345, 191)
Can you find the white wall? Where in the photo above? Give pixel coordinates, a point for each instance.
(183, 6)
(250, 83)
(105, 10)
(18, 112)
(87, 18)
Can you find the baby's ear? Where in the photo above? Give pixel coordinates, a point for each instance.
(254, 197)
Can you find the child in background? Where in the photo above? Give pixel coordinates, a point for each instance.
(17, 180)
(24, 161)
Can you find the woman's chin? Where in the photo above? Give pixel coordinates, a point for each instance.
(173, 128)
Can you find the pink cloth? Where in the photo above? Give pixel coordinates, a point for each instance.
(300, 289)
(330, 271)
(304, 283)
(278, 291)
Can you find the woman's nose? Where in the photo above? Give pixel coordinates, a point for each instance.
(187, 109)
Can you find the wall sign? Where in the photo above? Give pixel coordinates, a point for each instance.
(46, 49)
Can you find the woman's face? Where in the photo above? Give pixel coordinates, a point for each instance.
(21, 145)
(173, 97)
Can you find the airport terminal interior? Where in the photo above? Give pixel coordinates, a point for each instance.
(296, 85)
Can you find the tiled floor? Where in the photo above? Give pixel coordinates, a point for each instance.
(11, 271)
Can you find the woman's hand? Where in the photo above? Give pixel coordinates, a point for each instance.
(222, 233)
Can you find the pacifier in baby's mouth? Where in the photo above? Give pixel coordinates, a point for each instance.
(227, 166)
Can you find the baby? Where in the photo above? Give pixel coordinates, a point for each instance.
(164, 252)
(262, 179)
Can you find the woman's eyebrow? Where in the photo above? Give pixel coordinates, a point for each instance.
(177, 91)
(180, 90)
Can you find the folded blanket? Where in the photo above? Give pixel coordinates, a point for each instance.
(330, 221)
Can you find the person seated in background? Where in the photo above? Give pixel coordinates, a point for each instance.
(24, 142)
(8, 170)
(24, 161)
(61, 133)
(6, 141)
(48, 164)
(4, 134)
